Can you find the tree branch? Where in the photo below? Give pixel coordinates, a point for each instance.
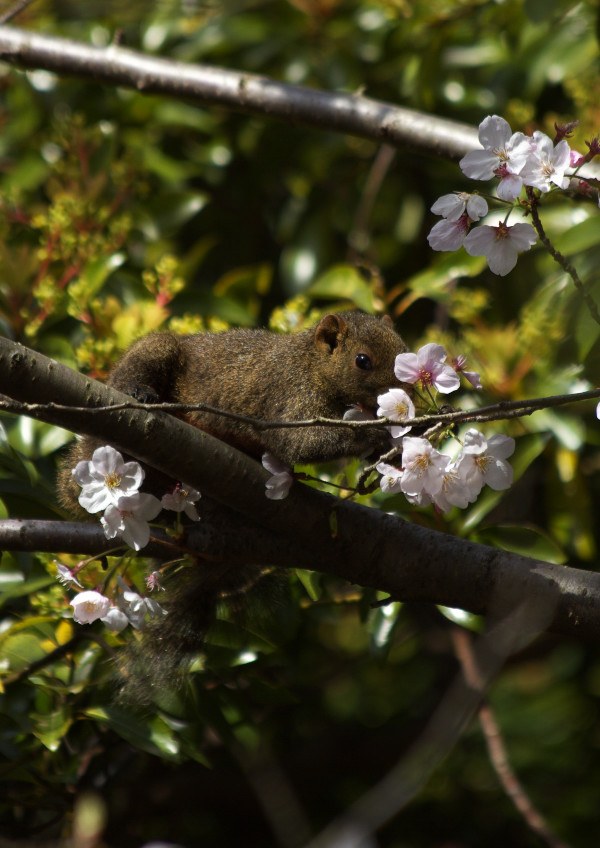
(367, 547)
(241, 92)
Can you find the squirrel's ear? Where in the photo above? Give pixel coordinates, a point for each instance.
(385, 319)
(330, 331)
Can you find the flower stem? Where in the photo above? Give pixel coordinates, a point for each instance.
(559, 258)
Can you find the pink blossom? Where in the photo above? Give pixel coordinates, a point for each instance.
(277, 486)
(427, 367)
(472, 376)
(500, 245)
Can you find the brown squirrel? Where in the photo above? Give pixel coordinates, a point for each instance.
(346, 359)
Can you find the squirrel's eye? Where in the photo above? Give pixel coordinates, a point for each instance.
(363, 361)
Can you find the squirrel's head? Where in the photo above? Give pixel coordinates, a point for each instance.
(356, 355)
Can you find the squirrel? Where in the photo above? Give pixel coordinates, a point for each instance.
(346, 359)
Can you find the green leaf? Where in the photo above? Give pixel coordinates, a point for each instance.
(21, 650)
(522, 539)
(434, 283)
(50, 728)
(344, 282)
(580, 237)
(151, 735)
(311, 580)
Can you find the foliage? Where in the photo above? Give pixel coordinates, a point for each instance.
(121, 214)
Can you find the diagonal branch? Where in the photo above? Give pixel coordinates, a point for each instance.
(367, 547)
(241, 92)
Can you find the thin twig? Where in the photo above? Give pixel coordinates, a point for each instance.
(559, 258)
(463, 649)
(14, 10)
(494, 412)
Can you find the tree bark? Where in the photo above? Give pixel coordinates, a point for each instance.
(309, 529)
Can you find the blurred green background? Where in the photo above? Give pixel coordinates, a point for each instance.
(122, 213)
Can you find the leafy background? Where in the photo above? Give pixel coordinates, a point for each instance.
(122, 213)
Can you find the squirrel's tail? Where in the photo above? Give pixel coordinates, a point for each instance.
(155, 663)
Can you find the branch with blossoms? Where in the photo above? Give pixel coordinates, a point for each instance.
(298, 533)
(513, 160)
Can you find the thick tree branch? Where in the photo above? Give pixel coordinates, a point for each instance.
(241, 92)
(366, 547)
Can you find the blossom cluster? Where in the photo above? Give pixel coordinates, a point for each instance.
(111, 485)
(128, 607)
(427, 475)
(514, 160)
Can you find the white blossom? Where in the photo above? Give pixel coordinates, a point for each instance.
(509, 185)
(448, 235)
(483, 461)
(89, 606)
(65, 575)
(137, 608)
(453, 206)
(547, 164)
(422, 467)
(391, 478)
(500, 245)
(182, 499)
(455, 490)
(129, 517)
(115, 620)
(397, 405)
(500, 147)
(105, 478)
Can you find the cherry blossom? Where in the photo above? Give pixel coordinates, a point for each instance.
(182, 499)
(483, 461)
(115, 620)
(105, 478)
(500, 147)
(129, 517)
(455, 490)
(277, 486)
(89, 606)
(472, 376)
(448, 235)
(546, 163)
(453, 206)
(65, 575)
(391, 478)
(510, 185)
(397, 405)
(422, 467)
(427, 366)
(500, 245)
(137, 608)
